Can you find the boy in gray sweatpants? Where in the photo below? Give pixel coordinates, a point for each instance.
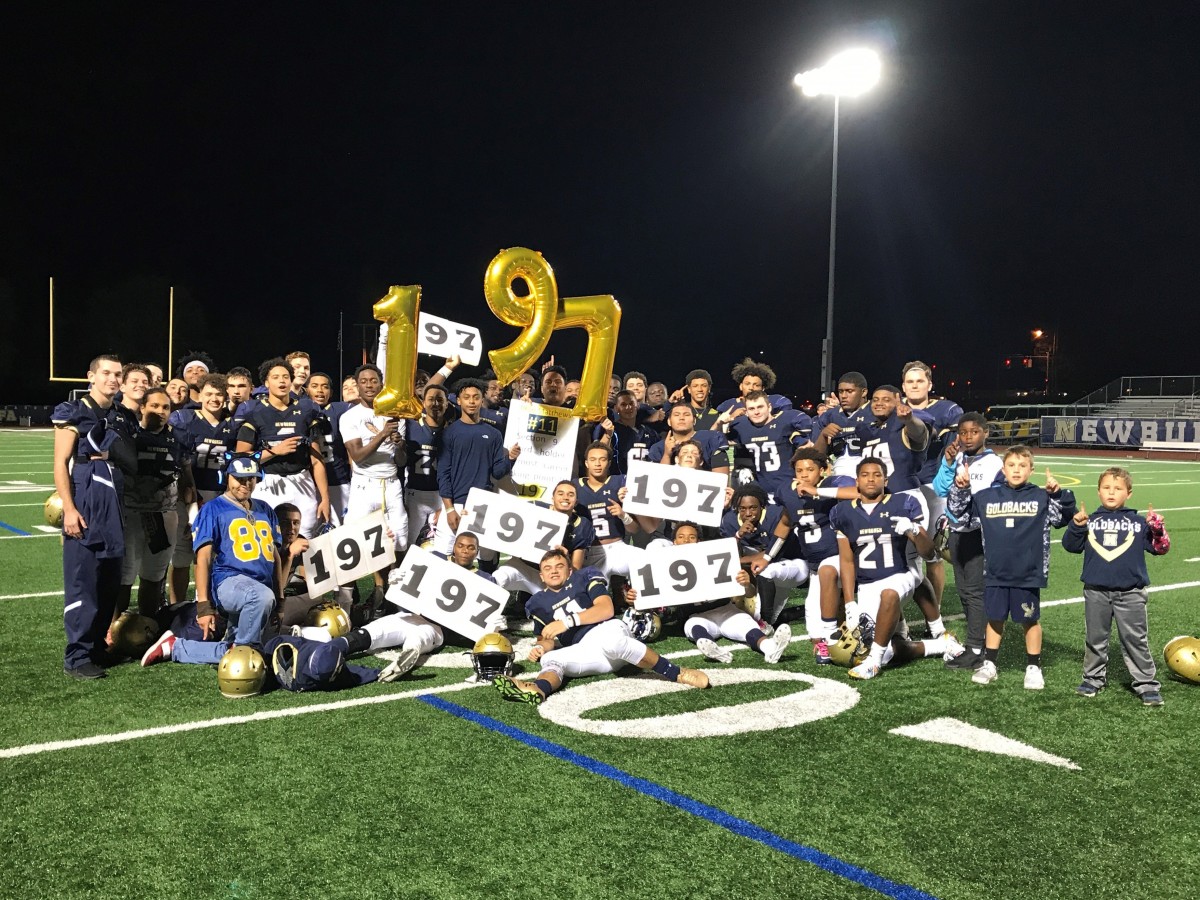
(1114, 541)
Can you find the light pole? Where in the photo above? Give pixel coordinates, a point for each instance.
(848, 74)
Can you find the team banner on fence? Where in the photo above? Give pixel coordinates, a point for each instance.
(342, 556)
(687, 573)
(1112, 432)
(441, 337)
(676, 493)
(547, 436)
(508, 525)
(445, 593)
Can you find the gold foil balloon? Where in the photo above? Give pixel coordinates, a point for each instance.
(540, 313)
(399, 310)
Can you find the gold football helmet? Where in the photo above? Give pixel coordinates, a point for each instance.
(492, 656)
(53, 510)
(241, 672)
(332, 617)
(847, 647)
(132, 634)
(1182, 655)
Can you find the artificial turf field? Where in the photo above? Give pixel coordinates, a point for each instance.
(431, 787)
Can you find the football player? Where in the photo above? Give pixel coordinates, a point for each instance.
(697, 392)
(766, 543)
(301, 365)
(628, 439)
(192, 367)
(152, 497)
(749, 376)
(92, 450)
(135, 380)
(601, 493)
(577, 635)
(472, 455)
(518, 575)
(681, 423)
(375, 445)
(350, 390)
(874, 533)
(768, 439)
(177, 390)
(635, 383)
(238, 386)
(239, 569)
(834, 430)
(656, 394)
(338, 471)
(423, 446)
(156, 374)
(288, 434)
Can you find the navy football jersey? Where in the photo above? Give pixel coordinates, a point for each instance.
(810, 519)
(596, 500)
(628, 443)
(423, 445)
(847, 443)
(881, 552)
(762, 537)
(159, 458)
(778, 403)
(941, 417)
(887, 441)
(769, 446)
(337, 460)
(578, 593)
(266, 426)
(204, 447)
(244, 542)
(714, 448)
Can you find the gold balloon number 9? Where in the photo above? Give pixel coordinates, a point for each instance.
(539, 313)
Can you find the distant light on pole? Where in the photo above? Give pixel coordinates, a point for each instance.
(1037, 333)
(848, 74)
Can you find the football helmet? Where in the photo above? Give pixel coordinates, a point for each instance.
(1182, 655)
(132, 634)
(847, 647)
(241, 672)
(644, 626)
(331, 617)
(492, 656)
(53, 510)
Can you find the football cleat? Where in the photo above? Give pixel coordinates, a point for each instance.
(401, 665)
(772, 648)
(714, 651)
(1034, 680)
(865, 670)
(986, 673)
(492, 657)
(160, 650)
(821, 652)
(953, 648)
(1182, 656)
(510, 690)
(241, 672)
(692, 678)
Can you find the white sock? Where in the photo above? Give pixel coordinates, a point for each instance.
(852, 613)
(876, 655)
(935, 646)
(937, 628)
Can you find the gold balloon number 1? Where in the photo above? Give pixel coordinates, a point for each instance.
(539, 313)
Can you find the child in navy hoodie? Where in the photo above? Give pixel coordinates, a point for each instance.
(1114, 542)
(1015, 517)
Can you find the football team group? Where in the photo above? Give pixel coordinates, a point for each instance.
(221, 479)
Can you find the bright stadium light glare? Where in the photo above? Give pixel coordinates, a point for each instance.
(848, 74)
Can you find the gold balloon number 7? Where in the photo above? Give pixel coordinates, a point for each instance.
(539, 313)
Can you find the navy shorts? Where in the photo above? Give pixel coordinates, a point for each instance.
(1024, 605)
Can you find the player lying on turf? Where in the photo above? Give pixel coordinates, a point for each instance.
(577, 635)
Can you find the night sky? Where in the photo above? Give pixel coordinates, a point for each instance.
(1021, 165)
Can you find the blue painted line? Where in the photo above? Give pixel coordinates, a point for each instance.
(14, 529)
(702, 810)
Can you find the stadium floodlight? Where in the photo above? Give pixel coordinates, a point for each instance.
(848, 74)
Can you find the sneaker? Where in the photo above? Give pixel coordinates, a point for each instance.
(1034, 681)
(1152, 698)
(401, 665)
(970, 658)
(821, 652)
(692, 678)
(953, 648)
(1087, 690)
(161, 649)
(772, 648)
(89, 671)
(712, 650)
(511, 690)
(986, 673)
(865, 670)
